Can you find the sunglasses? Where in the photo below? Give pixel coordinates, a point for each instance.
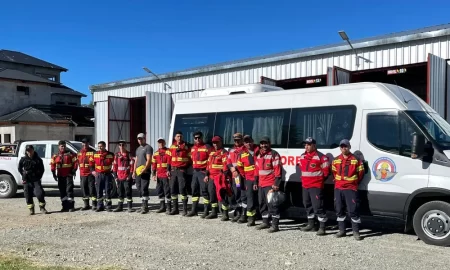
(197, 138)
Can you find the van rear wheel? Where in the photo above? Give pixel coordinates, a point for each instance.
(432, 223)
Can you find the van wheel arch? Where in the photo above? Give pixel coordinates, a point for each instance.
(419, 198)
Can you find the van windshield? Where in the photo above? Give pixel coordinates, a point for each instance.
(434, 125)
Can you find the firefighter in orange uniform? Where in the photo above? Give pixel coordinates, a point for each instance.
(348, 171)
(160, 165)
(216, 178)
(199, 154)
(246, 168)
(237, 178)
(123, 168)
(84, 157)
(268, 177)
(180, 154)
(64, 167)
(101, 168)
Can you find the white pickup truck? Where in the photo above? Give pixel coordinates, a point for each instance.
(10, 154)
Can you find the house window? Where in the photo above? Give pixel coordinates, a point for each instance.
(24, 89)
(60, 103)
(7, 138)
(72, 103)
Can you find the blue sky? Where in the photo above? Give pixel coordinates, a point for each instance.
(101, 41)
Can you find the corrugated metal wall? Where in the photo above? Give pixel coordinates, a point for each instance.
(159, 113)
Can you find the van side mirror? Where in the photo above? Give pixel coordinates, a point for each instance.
(417, 146)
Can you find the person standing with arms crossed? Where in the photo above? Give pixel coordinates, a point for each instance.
(101, 167)
(84, 158)
(160, 165)
(122, 170)
(64, 166)
(142, 170)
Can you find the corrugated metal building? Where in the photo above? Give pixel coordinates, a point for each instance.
(415, 59)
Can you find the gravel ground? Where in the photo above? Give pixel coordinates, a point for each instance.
(158, 241)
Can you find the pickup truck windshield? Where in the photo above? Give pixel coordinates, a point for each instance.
(434, 125)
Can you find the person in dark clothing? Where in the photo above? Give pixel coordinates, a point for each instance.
(31, 168)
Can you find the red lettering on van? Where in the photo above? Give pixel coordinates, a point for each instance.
(290, 160)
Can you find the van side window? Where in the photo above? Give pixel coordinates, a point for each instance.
(271, 123)
(190, 123)
(391, 132)
(328, 125)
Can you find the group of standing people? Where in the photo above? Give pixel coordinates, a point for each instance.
(246, 174)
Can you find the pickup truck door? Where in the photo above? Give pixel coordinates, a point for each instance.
(43, 150)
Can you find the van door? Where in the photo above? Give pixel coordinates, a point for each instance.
(386, 138)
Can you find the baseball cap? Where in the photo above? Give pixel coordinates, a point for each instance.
(310, 140)
(264, 139)
(161, 139)
(248, 137)
(141, 135)
(345, 142)
(237, 136)
(29, 147)
(216, 139)
(85, 140)
(122, 141)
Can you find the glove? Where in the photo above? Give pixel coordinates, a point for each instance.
(24, 182)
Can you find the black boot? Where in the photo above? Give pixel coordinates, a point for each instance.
(71, 205)
(341, 232)
(193, 211)
(94, 205)
(119, 207)
(42, 209)
(213, 214)
(263, 225)
(237, 214)
(205, 210)
(100, 207)
(243, 218)
(251, 221)
(86, 205)
(185, 207)
(130, 206)
(31, 210)
(144, 207)
(321, 230)
(64, 206)
(274, 227)
(169, 207)
(162, 207)
(309, 227)
(225, 216)
(355, 228)
(175, 208)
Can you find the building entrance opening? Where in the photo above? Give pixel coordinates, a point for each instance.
(412, 77)
(138, 118)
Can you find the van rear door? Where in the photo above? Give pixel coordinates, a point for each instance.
(386, 137)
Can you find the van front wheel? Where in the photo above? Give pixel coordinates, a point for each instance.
(432, 223)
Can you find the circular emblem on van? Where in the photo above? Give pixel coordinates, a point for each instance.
(384, 169)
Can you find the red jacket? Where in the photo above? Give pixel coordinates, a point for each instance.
(315, 169)
(160, 162)
(246, 162)
(233, 155)
(123, 166)
(180, 155)
(217, 163)
(348, 172)
(84, 158)
(102, 162)
(199, 155)
(268, 168)
(65, 164)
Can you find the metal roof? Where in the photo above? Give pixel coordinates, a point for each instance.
(29, 114)
(64, 90)
(14, 74)
(404, 36)
(21, 58)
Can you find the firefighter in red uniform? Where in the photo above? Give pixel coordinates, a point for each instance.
(237, 179)
(84, 157)
(268, 177)
(123, 168)
(246, 168)
(199, 155)
(64, 167)
(348, 171)
(216, 178)
(314, 167)
(160, 163)
(101, 168)
(180, 154)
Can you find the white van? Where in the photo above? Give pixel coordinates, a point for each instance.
(405, 143)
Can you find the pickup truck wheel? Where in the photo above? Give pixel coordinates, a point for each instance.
(8, 187)
(432, 223)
